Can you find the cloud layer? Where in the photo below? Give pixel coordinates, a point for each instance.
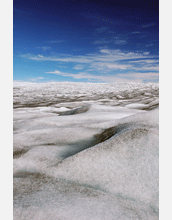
(107, 65)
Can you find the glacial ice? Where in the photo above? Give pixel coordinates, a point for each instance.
(74, 162)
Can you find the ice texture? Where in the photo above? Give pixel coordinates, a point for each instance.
(86, 151)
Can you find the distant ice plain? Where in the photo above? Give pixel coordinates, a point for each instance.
(86, 151)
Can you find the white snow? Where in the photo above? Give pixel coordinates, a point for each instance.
(135, 105)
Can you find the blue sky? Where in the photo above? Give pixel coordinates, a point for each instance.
(86, 41)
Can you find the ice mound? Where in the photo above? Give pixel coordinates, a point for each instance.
(125, 166)
(76, 111)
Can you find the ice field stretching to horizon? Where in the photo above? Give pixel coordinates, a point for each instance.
(86, 151)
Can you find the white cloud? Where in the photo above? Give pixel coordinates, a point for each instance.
(146, 53)
(109, 66)
(129, 77)
(116, 66)
(148, 68)
(78, 67)
(44, 48)
(141, 76)
(56, 72)
(74, 59)
(104, 51)
(144, 61)
(146, 65)
(37, 78)
(40, 56)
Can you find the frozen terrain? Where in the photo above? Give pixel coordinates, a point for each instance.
(86, 151)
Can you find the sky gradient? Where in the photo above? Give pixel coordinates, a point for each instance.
(86, 41)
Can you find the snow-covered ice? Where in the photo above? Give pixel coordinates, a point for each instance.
(86, 151)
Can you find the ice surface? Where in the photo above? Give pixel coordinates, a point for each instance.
(85, 151)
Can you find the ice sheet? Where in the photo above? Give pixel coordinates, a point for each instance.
(99, 162)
